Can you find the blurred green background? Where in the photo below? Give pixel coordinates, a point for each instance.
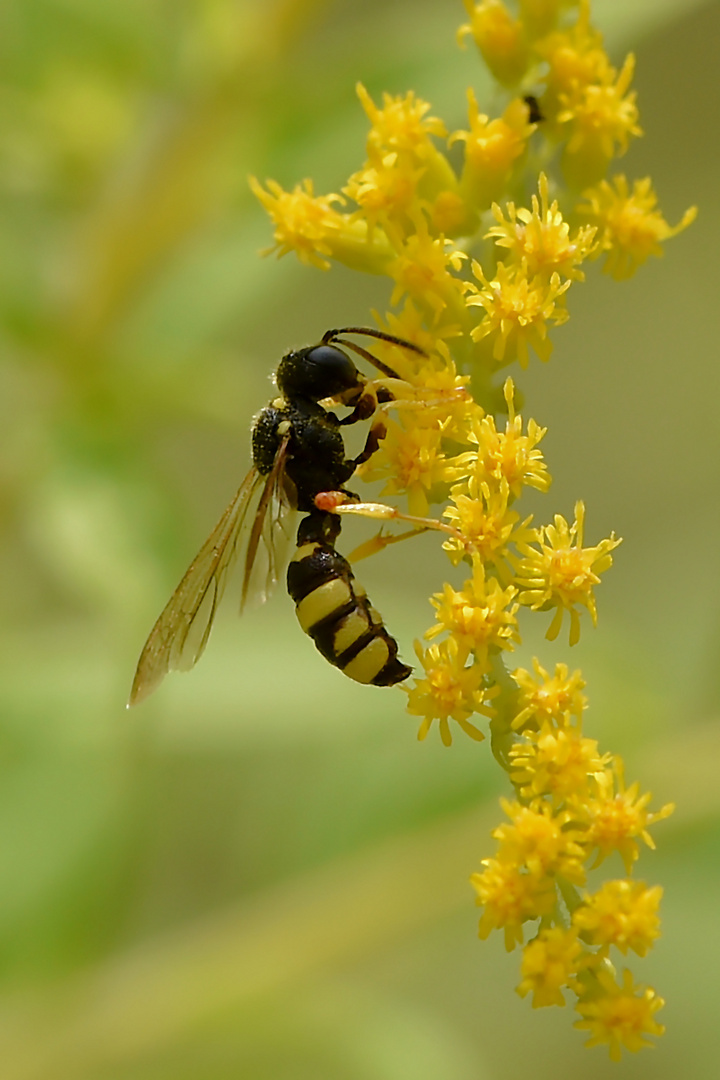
(260, 872)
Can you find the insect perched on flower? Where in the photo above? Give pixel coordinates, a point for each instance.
(299, 463)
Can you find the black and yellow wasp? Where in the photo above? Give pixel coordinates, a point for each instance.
(298, 454)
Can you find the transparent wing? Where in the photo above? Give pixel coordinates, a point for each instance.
(266, 555)
(179, 636)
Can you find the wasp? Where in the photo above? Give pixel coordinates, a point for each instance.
(299, 463)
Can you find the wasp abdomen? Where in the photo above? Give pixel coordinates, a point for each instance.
(335, 611)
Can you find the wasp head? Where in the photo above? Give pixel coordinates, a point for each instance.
(317, 372)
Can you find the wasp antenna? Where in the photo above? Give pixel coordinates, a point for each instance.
(366, 355)
(331, 335)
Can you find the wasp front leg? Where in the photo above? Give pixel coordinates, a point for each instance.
(375, 394)
(372, 444)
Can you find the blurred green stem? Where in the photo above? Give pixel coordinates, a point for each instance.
(176, 182)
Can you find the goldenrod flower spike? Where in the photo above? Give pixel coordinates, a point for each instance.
(406, 171)
(384, 191)
(575, 58)
(402, 125)
(484, 524)
(479, 253)
(539, 17)
(544, 842)
(425, 269)
(508, 455)
(411, 461)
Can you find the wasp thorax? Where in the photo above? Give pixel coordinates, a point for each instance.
(318, 372)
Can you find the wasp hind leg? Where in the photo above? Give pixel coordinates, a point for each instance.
(337, 502)
(381, 540)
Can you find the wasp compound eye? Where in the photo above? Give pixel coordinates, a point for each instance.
(315, 373)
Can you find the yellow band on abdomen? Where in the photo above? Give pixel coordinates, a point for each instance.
(322, 602)
(369, 662)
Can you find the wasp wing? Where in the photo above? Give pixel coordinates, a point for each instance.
(269, 535)
(179, 637)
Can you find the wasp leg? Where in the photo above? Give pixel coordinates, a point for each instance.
(381, 541)
(372, 444)
(335, 502)
(362, 410)
(409, 403)
(385, 394)
(374, 394)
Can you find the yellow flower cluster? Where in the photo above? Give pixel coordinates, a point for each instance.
(480, 259)
(572, 811)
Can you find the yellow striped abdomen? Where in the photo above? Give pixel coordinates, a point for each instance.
(334, 610)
